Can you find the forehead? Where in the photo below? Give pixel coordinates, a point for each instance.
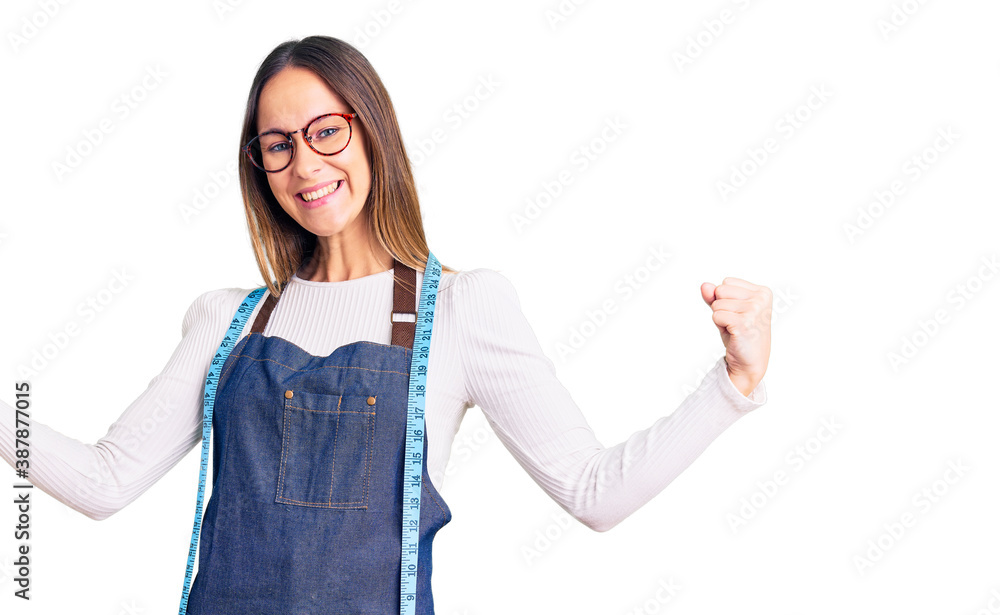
(294, 96)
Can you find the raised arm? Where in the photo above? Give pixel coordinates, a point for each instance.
(149, 438)
(533, 414)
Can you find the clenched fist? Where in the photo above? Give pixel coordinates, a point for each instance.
(742, 312)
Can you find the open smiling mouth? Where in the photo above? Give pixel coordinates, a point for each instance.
(316, 195)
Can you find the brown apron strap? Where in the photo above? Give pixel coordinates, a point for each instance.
(403, 307)
(260, 321)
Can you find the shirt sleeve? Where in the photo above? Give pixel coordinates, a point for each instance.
(148, 439)
(514, 383)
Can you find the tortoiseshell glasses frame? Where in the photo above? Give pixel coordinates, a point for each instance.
(306, 136)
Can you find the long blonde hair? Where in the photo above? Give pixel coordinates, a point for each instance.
(392, 209)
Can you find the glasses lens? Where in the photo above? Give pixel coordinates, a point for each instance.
(330, 134)
(271, 151)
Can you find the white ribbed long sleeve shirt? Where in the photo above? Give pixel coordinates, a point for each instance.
(483, 352)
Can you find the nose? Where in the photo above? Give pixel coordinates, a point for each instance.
(305, 162)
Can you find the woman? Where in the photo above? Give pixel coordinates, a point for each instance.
(311, 406)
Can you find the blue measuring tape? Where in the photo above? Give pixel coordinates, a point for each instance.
(211, 385)
(413, 455)
(413, 461)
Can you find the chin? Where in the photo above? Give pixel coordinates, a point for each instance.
(330, 228)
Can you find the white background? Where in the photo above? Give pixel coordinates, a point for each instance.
(843, 304)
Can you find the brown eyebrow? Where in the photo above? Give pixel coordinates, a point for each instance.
(307, 123)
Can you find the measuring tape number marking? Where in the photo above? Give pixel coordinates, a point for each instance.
(211, 386)
(413, 461)
(413, 455)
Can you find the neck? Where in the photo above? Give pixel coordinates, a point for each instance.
(335, 261)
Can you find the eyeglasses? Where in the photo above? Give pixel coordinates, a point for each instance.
(326, 135)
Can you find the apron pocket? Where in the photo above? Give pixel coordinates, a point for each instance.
(326, 450)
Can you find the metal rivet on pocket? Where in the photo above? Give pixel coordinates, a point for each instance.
(288, 394)
(371, 401)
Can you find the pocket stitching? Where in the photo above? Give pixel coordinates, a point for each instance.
(286, 433)
(333, 464)
(371, 450)
(368, 417)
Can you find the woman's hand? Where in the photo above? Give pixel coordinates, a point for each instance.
(742, 312)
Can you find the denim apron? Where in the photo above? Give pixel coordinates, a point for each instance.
(305, 515)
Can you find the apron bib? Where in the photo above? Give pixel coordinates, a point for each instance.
(306, 510)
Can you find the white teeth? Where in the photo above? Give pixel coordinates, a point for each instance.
(312, 196)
